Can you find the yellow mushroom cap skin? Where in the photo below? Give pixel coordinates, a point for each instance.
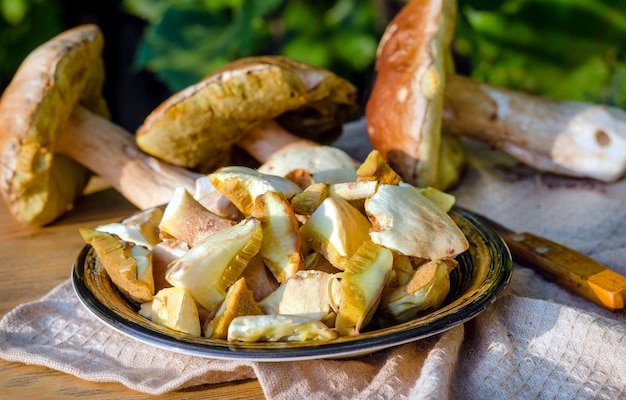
(37, 184)
(196, 127)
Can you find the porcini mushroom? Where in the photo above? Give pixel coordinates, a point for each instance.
(59, 76)
(197, 126)
(53, 118)
(415, 99)
(404, 110)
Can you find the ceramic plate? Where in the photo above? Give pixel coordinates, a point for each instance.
(484, 271)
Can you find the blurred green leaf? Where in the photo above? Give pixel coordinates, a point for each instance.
(186, 40)
(13, 11)
(562, 49)
(190, 40)
(40, 21)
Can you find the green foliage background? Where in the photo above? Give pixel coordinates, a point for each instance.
(567, 49)
(187, 39)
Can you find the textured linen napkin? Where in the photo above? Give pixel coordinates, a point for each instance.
(537, 341)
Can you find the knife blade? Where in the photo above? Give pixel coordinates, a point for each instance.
(565, 266)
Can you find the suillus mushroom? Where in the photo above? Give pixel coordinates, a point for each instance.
(417, 104)
(240, 104)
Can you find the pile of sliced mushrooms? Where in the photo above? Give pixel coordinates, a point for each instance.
(309, 244)
(309, 262)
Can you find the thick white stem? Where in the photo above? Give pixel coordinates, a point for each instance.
(565, 137)
(111, 152)
(269, 138)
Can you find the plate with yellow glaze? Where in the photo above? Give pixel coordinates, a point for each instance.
(483, 272)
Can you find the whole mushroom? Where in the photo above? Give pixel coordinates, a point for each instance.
(417, 103)
(239, 104)
(54, 130)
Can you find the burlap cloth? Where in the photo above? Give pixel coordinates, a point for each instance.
(537, 341)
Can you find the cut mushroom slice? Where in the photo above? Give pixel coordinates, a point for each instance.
(402, 270)
(239, 301)
(278, 328)
(280, 248)
(405, 221)
(445, 201)
(305, 294)
(259, 278)
(426, 290)
(209, 268)
(375, 168)
(163, 254)
(186, 219)
(306, 202)
(336, 230)
(141, 228)
(129, 266)
(361, 287)
(173, 308)
(323, 163)
(241, 185)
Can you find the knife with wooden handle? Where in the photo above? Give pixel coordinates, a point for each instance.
(566, 267)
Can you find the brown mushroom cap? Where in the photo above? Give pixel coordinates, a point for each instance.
(68, 70)
(197, 126)
(404, 110)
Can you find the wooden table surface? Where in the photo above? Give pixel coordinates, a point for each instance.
(33, 261)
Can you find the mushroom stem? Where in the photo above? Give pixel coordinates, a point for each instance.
(566, 137)
(267, 138)
(111, 152)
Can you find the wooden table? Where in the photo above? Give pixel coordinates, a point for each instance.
(33, 261)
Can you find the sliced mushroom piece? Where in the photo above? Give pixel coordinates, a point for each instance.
(239, 302)
(278, 328)
(405, 221)
(336, 230)
(375, 168)
(426, 290)
(209, 268)
(259, 278)
(128, 265)
(280, 248)
(163, 254)
(196, 127)
(323, 163)
(173, 308)
(141, 228)
(241, 185)
(361, 287)
(186, 219)
(305, 294)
